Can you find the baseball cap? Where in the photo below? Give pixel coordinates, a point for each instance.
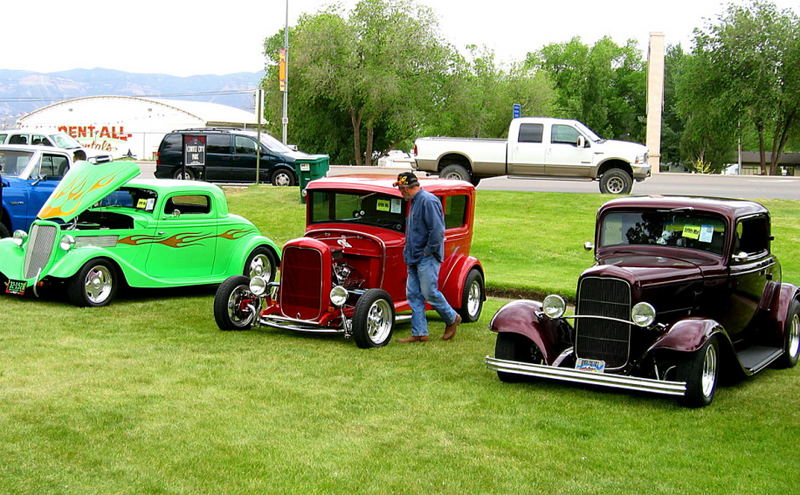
(407, 179)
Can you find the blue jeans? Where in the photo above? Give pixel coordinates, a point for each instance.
(423, 285)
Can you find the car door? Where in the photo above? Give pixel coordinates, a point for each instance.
(243, 163)
(526, 156)
(565, 158)
(218, 157)
(44, 177)
(186, 238)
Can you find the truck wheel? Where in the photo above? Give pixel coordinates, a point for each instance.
(700, 371)
(616, 181)
(182, 174)
(283, 177)
(94, 285)
(791, 337)
(373, 319)
(4, 231)
(515, 347)
(455, 172)
(472, 297)
(233, 302)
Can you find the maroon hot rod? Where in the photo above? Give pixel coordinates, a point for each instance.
(683, 289)
(346, 274)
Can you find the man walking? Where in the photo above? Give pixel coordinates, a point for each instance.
(423, 254)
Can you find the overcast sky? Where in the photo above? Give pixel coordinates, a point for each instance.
(183, 38)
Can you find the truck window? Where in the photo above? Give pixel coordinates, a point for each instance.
(530, 133)
(564, 134)
(455, 211)
(53, 166)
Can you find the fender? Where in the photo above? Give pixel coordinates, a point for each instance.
(778, 311)
(238, 257)
(453, 275)
(688, 335)
(12, 259)
(521, 317)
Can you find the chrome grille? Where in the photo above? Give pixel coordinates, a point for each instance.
(301, 279)
(597, 338)
(40, 246)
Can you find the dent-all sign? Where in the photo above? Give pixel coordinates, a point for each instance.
(194, 150)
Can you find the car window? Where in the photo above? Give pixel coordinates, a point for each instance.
(218, 143)
(63, 140)
(188, 204)
(693, 230)
(245, 145)
(13, 163)
(564, 134)
(38, 139)
(455, 211)
(530, 133)
(53, 166)
(376, 209)
(752, 236)
(18, 139)
(3, 138)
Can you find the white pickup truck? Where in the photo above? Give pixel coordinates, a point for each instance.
(540, 148)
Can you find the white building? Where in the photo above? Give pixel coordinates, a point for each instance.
(129, 125)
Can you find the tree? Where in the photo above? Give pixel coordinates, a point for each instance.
(672, 124)
(745, 74)
(602, 85)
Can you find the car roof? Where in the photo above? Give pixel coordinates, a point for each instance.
(731, 208)
(43, 131)
(32, 147)
(382, 183)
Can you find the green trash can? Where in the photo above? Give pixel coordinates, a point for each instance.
(308, 169)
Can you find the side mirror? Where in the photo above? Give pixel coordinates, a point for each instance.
(176, 213)
(588, 246)
(740, 256)
(580, 142)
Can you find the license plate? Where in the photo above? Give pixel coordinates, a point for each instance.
(593, 365)
(15, 287)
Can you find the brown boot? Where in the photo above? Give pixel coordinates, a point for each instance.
(414, 338)
(450, 330)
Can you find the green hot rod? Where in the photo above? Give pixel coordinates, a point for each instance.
(100, 229)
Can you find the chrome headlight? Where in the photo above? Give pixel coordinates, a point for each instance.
(554, 306)
(643, 314)
(67, 242)
(258, 286)
(338, 296)
(19, 237)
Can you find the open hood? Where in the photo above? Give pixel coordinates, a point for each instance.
(84, 185)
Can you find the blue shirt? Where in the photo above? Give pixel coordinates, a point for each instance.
(424, 229)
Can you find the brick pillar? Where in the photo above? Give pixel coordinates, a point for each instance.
(655, 98)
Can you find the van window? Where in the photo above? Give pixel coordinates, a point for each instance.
(172, 142)
(245, 145)
(218, 143)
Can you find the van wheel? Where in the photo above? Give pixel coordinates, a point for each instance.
(183, 174)
(616, 181)
(283, 177)
(455, 171)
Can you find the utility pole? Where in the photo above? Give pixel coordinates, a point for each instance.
(655, 99)
(285, 79)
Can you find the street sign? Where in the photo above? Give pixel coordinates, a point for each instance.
(517, 110)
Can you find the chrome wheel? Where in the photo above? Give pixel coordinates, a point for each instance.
(260, 265)
(373, 319)
(98, 284)
(708, 378)
(794, 337)
(239, 313)
(475, 297)
(379, 321)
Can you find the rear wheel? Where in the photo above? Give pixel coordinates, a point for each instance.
(455, 171)
(235, 307)
(94, 285)
(616, 181)
(183, 174)
(701, 373)
(516, 347)
(373, 319)
(791, 337)
(472, 298)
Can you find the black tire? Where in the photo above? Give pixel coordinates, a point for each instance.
(700, 371)
(373, 319)
(791, 337)
(181, 175)
(262, 257)
(455, 171)
(475, 181)
(283, 177)
(94, 285)
(616, 181)
(4, 232)
(472, 297)
(516, 347)
(231, 301)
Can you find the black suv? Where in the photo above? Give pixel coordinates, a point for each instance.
(230, 157)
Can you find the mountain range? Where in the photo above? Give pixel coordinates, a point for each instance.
(22, 92)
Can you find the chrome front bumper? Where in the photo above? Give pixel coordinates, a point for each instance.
(577, 376)
(281, 322)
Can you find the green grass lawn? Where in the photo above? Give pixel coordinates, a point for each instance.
(147, 396)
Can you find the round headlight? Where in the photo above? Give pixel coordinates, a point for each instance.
(338, 296)
(19, 237)
(67, 242)
(554, 306)
(258, 286)
(643, 314)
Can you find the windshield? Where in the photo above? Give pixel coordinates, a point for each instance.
(64, 141)
(674, 228)
(594, 137)
(273, 144)
(376, 209)
(13, 163)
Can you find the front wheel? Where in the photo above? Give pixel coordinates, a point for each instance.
(516, 347)
(261, 262)
(472, 297)
(373, 319)
(701, 373)
(791, 337)
(455, 171)
(94, 285)
(283, 177)
(235, 307)
(616, 181)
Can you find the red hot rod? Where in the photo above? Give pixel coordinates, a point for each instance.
(346, 274)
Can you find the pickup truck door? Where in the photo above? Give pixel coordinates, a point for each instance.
(564, 157)
(526, 156)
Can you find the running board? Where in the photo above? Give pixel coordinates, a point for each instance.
(756, 358)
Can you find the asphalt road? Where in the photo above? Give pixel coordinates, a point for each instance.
(728, 186)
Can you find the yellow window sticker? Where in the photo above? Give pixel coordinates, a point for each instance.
(141, 204)
(383, 205)
(691, 232)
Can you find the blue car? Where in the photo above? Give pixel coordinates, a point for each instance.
(28, 174)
